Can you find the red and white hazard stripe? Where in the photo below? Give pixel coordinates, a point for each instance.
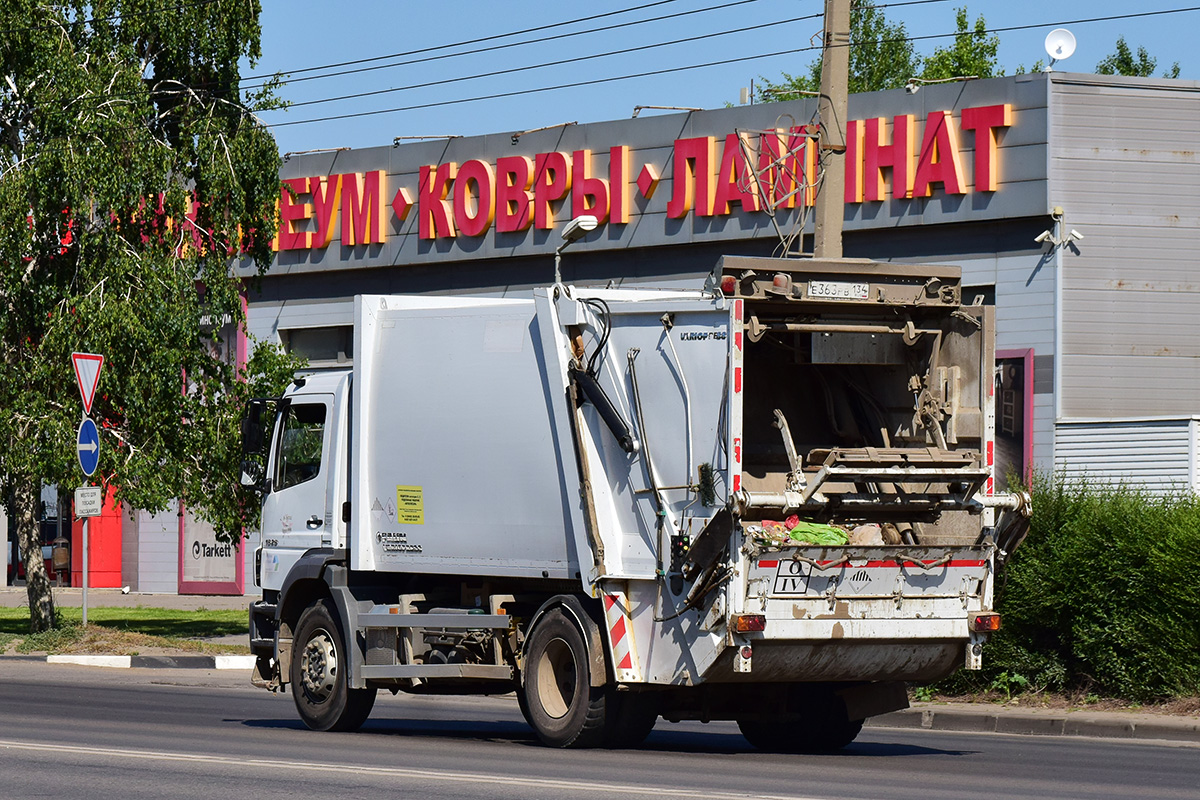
(620, 636)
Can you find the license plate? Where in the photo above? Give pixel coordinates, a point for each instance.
(839, 290)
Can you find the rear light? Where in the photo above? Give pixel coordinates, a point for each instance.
(782, 282)
(728, 285)
(745, 623)
(985, 622)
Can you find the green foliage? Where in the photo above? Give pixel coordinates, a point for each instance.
(1103, 597)
(1123, 62)
(881, 57)
(114, 114)
(151, 621)
(972, 53)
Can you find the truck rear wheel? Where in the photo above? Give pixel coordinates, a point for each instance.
(822, 727)
(563, 707)
(318, 674)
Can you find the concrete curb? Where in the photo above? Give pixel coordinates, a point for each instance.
(156, 662)
(1039, 722)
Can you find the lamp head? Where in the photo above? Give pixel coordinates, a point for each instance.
(579, 227)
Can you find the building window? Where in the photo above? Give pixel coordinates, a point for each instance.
(321, 346)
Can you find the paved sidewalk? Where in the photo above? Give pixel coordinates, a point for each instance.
(986, 718)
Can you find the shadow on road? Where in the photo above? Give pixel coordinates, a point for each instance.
(662, 740)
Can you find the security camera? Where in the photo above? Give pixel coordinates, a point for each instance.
(1075, 234)
(911, 87)
(1043, 236)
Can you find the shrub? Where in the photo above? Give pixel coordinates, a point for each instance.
(1103, 596)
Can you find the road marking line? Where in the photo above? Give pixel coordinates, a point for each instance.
(614, 789)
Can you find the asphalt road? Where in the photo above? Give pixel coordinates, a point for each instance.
(86, 732)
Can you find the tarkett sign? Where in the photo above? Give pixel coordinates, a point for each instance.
(207, 566)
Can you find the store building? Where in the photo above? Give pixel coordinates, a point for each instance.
(1072, 201)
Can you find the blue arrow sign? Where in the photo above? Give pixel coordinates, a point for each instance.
(87, 445)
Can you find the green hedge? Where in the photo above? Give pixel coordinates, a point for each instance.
(1103, 597)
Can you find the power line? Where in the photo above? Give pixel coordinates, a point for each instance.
(557, 63)
(722, 62)
(466, 42)
(542, 40)
(538, 40)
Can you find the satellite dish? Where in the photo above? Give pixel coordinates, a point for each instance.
(1060, 44)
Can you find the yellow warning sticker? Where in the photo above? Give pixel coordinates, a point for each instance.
(410, 505)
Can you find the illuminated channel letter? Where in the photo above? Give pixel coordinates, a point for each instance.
(512, 194)
(551, 182)
(362, 208)
(588, 195)
(434, 214)
(293, 213)
(735, 180)
(474, 200)
(898, 156)
(939, 161)
(692, 181)
(326, 194)
(984, 121)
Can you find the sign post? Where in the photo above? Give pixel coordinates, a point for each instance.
(89, 500)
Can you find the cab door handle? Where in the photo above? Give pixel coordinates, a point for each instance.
(314, 522)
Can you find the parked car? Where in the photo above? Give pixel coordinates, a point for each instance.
(16, 564)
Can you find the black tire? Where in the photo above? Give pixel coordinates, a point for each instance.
(318, 674)
(632, 715)
(822, 728)
(563, 707)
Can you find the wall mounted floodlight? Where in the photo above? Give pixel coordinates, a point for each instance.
(288, 156)
(638, 109)
(772, 92)
(914, 84)
(397, 140)
(1060, 44)
(575, 230)
(516, 137)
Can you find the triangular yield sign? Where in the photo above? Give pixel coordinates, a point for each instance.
(87, 373)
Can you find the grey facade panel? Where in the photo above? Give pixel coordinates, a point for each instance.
(158, 551)
(1126, 386)
(1131, 293)
(1155, 455)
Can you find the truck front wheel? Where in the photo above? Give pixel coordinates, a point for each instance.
(318, 673)
(561, 704)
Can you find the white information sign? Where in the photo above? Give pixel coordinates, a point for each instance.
(88, 501)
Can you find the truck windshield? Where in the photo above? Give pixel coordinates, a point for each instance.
(301, 444)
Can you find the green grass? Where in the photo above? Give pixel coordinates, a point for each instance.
(173, 623)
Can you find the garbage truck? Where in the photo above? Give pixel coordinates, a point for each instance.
(768, 498)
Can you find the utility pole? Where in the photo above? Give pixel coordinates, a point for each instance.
(835, 78)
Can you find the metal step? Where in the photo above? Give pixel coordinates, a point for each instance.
(469, 671)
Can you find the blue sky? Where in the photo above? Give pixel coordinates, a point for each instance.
(300, 34)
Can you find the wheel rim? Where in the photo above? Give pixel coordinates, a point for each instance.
(319, 666)
(556, 678)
